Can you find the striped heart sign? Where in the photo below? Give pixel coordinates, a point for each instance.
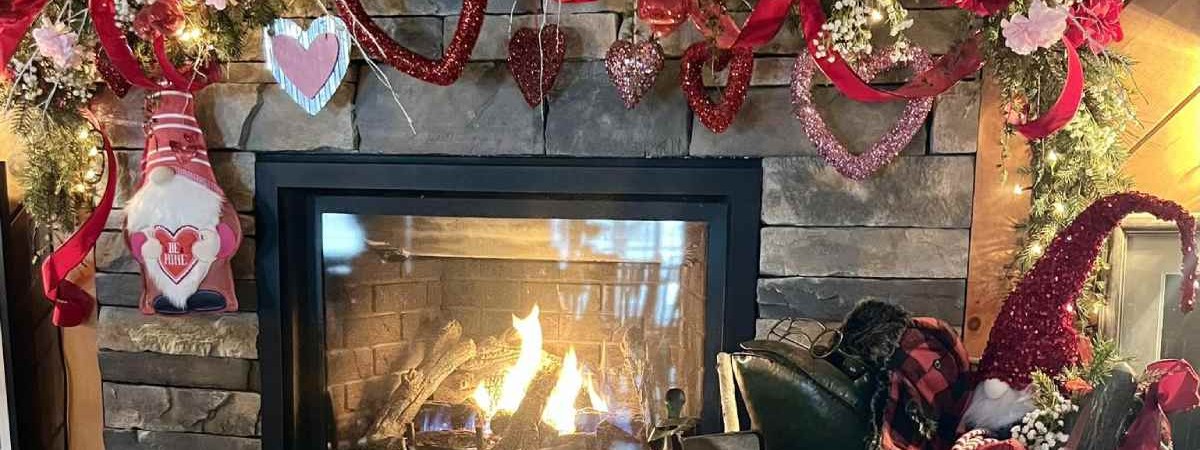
(308, 64)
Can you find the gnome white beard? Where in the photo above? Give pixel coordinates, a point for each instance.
(997, 406)
(172, 204)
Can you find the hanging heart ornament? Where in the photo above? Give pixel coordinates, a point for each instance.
(535, 58)
(308, 64)
(740, 61)
(632, 68)
(884, 150)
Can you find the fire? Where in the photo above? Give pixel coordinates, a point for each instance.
(483, 399)
(518, 377)
(560, 407)
(598, 402)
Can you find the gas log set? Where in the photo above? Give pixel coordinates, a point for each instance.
(508, 393)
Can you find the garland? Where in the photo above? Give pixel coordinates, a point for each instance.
(58, 69)
(1070, 169)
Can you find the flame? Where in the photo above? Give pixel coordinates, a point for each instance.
(594, 397)
(483, 399)
(560, 407)
(518, 377)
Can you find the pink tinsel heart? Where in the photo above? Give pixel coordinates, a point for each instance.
(633, 68)
(883, 151)
(534, 58)
(308, 68)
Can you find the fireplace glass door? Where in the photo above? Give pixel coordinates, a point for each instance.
(467, 332)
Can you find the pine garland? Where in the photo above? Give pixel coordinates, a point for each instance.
(1072, 168)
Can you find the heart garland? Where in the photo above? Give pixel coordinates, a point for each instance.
(379, 45)
(883, 151)
(716, 116)
(632, 68)
(535, 58)
(309, 65)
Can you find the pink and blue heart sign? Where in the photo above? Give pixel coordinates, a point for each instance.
(308, 64)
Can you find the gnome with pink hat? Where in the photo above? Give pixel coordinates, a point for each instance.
(1035, 330)
(179, 225)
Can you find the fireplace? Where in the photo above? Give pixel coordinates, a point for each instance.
(498, 303)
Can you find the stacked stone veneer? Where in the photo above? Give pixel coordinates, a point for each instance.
(183, 383)
(380, 316)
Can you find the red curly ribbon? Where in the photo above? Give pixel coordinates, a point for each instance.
(73, 304)
(379, 45)
(1174, 391)
(1065, 107)
(112, 39)
(964, 60)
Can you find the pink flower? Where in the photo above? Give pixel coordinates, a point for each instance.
(218, 4)
(59, 44)
(1042, 27)
(1097, 23)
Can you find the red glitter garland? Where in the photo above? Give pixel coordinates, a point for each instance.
(740, 61)
(443, 72)
(1034, 330)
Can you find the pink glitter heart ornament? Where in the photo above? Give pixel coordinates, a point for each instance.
(884, 150)
(632, 68)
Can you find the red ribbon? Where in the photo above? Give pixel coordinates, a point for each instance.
(1065, 107)
(73, 304)
(111, 37)
(961, 62)
(15, 20)
(1174, 391)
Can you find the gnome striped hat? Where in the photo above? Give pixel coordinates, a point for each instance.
(1035, 329)
(174, 139)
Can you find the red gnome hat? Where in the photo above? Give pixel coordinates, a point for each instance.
(174, 139)
(1035, 329)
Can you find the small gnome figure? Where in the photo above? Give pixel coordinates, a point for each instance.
(1035, 330)
(179, 225)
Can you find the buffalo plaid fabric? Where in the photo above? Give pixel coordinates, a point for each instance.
(928, 388)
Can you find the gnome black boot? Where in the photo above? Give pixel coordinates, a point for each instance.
(163, 305)
(206, 301)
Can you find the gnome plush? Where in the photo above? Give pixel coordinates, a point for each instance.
(179, 225)
(1035, 329)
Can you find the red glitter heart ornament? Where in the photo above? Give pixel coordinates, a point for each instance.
(633, 68)
(378, 44)
(716, 116)
(535, 58)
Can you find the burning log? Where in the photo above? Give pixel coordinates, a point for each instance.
(525, 429)
(494, 356)
(413, 388)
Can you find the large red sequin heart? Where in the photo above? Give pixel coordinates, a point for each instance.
(535, 59)
(177, 259)
(716, 116)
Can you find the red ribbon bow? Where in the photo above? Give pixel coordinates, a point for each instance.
(1174, 389)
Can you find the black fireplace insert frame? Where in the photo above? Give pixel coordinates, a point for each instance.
(293, 190)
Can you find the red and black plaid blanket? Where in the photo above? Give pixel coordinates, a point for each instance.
(929, 387)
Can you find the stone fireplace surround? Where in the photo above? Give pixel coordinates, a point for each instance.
(826, 242)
